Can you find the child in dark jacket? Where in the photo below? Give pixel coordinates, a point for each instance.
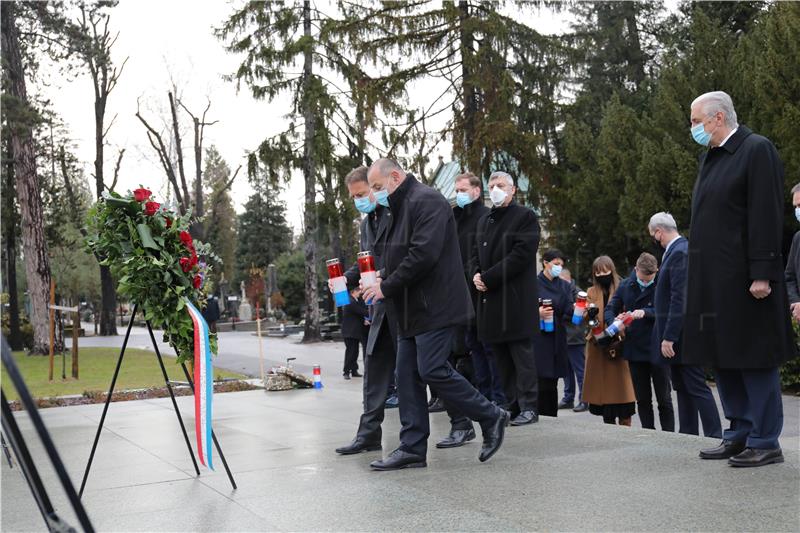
(355, 327)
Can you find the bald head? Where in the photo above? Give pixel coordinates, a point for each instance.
(385, 173)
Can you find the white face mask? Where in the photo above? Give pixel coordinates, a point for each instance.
(497, 196)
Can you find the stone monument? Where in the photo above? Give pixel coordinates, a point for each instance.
(245, 310)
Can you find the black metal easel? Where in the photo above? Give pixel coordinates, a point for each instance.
(171, 395)
(29, 471)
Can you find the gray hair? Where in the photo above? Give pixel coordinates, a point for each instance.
(796, 189)
(386, 165)
(662, 220)
(716, 102)
(501, 174)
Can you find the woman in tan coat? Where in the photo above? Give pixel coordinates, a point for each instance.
(607, 386)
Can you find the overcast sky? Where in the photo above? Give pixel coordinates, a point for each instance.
(170, 41)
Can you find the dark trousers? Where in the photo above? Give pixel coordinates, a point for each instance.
(484, 364)
(576, 354)
(548, 396)
(423, 359)
(517, 367)
(351, 354)
(751, 400)
(378, 376)
(694, 397)
(642, 375)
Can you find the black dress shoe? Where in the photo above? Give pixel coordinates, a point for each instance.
(436, 407)
(493, 436)
(581, 407)
(725, 450)
(456, 438)
(525, 417)
(564, 404)
(756, 457)
(346, 375)
(358, 446)
(356, 374)
(399, 459)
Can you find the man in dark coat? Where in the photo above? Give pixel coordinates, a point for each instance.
(635, 294)
(737, 312)
(379, 362)
(426, 291)
(504, 259)
(688, 380)
(792, 272)
(468, 210)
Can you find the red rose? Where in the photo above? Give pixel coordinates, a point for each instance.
(193, 261)
(141, 194)
(186, 264)
(186, 239)
(150, 208)
(169, 222)
(198, 281)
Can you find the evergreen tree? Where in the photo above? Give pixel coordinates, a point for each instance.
(263, 232)
(221, 221)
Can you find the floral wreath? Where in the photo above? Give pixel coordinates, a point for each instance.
(155, 261)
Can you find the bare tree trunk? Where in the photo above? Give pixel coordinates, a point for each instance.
(37, 261)
(10, 237)
(312, 329)
(108, 315)
(470, 104)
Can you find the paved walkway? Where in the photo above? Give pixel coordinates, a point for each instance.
(572, 473)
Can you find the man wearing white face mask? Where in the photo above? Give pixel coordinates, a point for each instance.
(792, 272)
(504, 261)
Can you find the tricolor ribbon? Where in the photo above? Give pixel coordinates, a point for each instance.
(203, 385)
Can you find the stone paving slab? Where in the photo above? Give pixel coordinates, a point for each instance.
(571, 473)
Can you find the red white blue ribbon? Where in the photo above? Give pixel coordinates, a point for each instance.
(203, 385)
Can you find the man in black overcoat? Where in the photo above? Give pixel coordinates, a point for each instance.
(425, 290)
(468, 211)
(737, 310)
(504, 259)
(379, 363)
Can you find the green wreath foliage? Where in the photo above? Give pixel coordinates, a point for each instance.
(154, 260)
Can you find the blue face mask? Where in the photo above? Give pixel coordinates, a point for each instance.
(463, 199)
(382, 197)
(700, 135)
(644, 284)
(555, 270)
(365, 205)
(797, 213)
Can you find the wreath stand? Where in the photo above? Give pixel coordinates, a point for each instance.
(171, 395)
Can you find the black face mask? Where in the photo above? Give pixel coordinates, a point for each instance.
(605, 281)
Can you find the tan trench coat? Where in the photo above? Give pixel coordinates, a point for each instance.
(605, 381)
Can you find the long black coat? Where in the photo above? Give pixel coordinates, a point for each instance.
(505, 255)
(629, 296)
(467, 226)
(550, 349)
(424, 285)
(736, 235)
(669, 300)
(374, 228)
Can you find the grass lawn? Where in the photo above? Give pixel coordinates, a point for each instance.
(139, 370)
